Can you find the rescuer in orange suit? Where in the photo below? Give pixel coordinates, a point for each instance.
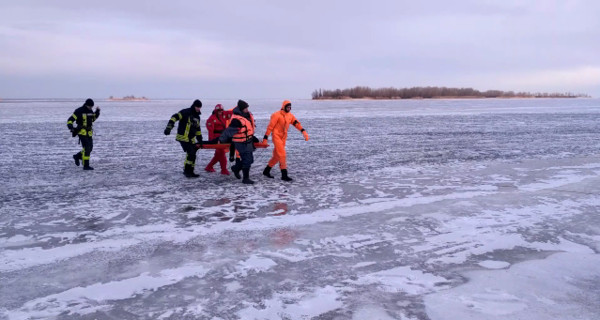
(279, 124)
(215, 124)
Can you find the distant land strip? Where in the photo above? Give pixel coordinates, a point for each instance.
(431, 93)
(128, 98)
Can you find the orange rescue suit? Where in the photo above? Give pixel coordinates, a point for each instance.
(279, 124)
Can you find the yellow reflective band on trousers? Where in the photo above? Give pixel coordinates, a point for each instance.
(83, 156)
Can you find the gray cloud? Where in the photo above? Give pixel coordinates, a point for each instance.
(274, 48)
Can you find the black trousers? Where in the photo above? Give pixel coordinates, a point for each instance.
(87, 143)
(190, 149)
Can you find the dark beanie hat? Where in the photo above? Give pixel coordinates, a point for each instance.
(242, 105)
(197, 104)
(89, 102)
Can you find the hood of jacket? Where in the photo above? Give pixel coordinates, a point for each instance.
(285, 103)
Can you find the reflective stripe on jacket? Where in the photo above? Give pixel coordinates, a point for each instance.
(188, 129)
(83, 118)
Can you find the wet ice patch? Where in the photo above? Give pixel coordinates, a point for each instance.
(491, 264)
(537, 290)
(83, 299)
(16, 241)
(374, 312)
(559, 180)
(25, 258)
(295, 305)
(363, 264)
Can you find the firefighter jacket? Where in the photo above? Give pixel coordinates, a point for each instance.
(84, 118)
(188, 129)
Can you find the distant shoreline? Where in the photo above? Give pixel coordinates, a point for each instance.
(128, 98)
(432, 93)
(451, 98)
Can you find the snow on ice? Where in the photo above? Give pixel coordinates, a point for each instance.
(412, 210)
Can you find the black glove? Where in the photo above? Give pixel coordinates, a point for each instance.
(255, 139)
(200, 143)
(167, 131)
(74, 132)
(266, 137)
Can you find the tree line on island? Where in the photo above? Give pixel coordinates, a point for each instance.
(360, 92)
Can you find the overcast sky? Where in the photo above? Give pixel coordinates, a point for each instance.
(287, 49)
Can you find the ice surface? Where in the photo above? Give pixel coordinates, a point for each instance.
(413, 210)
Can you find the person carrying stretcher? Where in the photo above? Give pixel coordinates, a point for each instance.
(215, 124)
(241, 132)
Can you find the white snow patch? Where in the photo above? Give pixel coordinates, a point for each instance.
(255, 263)
(403, 279)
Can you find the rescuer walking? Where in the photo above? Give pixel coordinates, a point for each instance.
(84, 117)
(279, 124)
(241, 132)
(189, 134)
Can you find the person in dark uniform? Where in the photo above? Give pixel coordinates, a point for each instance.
(84, 117)
(241, 132)
(188, 134)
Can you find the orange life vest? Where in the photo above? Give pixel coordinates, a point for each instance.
(246, 131)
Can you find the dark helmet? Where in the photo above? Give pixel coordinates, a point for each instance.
(89, 103)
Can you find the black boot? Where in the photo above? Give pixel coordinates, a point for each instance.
(246, 179)
(284, 175)
(236, 168)
(267, 172)
(77, 157)
(190, 171)
(86, 165)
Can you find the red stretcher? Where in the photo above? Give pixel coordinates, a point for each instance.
(226, 145)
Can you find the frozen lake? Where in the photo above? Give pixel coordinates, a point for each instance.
(412, 210)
